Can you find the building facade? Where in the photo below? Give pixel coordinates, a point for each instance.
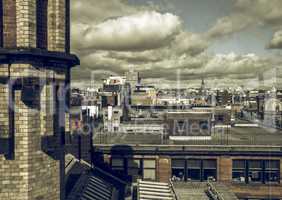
(251, 172)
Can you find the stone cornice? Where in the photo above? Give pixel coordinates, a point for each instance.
(31, 56)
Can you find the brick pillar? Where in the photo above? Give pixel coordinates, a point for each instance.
(224, 169)
(4, 117)
(56, 25)
(164, 169)
(9, 24)
(47, 109)
(26, 23)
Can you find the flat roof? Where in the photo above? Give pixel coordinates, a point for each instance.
(249, 136)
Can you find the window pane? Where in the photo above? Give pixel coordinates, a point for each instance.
(272, 176)
(149, 164)
(255, 164)
(238, 176)
(193, 164)
(177, 174)
(209, 174)
(272, 164)
(239, 164)
(209, 164)
(149, 174)
(194, 174)
(178, 163)
(255, 176)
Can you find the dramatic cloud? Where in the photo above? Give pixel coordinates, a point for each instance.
(113, 36)
(248, 13)
(276, 41)
(142, 31)
(189, 43)
(228, 25)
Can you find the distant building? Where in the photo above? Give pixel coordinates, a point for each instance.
(112, 118)
(191, 125)
(132, 78)
(144, 95)
(223, 97)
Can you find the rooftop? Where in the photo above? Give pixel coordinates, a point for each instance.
(202, 191)
(220, 136)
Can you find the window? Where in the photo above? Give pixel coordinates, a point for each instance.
(272, 171)
(256, 171)
(178, 170)
(149, 169)
(238, 172)
(209, 170)
(41, 24)
(134, 169)
(194, 170)
(118, 165)
(204, 125)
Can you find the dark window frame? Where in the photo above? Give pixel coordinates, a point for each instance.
(263, 170)
(149, 168)
(139, 169)
(201, 169)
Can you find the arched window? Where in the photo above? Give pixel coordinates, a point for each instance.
(41, 24)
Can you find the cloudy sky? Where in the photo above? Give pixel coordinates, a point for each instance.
(229, 43)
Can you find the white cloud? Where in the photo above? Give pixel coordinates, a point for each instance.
(141, 31)
(248, 13)
(111, 36)
(276, 41)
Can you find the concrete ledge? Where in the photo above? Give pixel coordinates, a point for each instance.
(33, 54)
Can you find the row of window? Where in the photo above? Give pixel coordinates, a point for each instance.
(243, 171)
(256, 171)
(137, 168)
(193, 170)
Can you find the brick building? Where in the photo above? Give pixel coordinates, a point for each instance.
(35, 64)
(247, 161)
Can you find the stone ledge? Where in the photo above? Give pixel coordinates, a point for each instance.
(32, 55)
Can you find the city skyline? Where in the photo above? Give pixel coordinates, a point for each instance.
(234, 43)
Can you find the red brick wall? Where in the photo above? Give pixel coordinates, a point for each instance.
(163, 169)
(224, 168)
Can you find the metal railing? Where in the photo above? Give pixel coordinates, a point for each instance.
(213, 193)
(173, 190)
